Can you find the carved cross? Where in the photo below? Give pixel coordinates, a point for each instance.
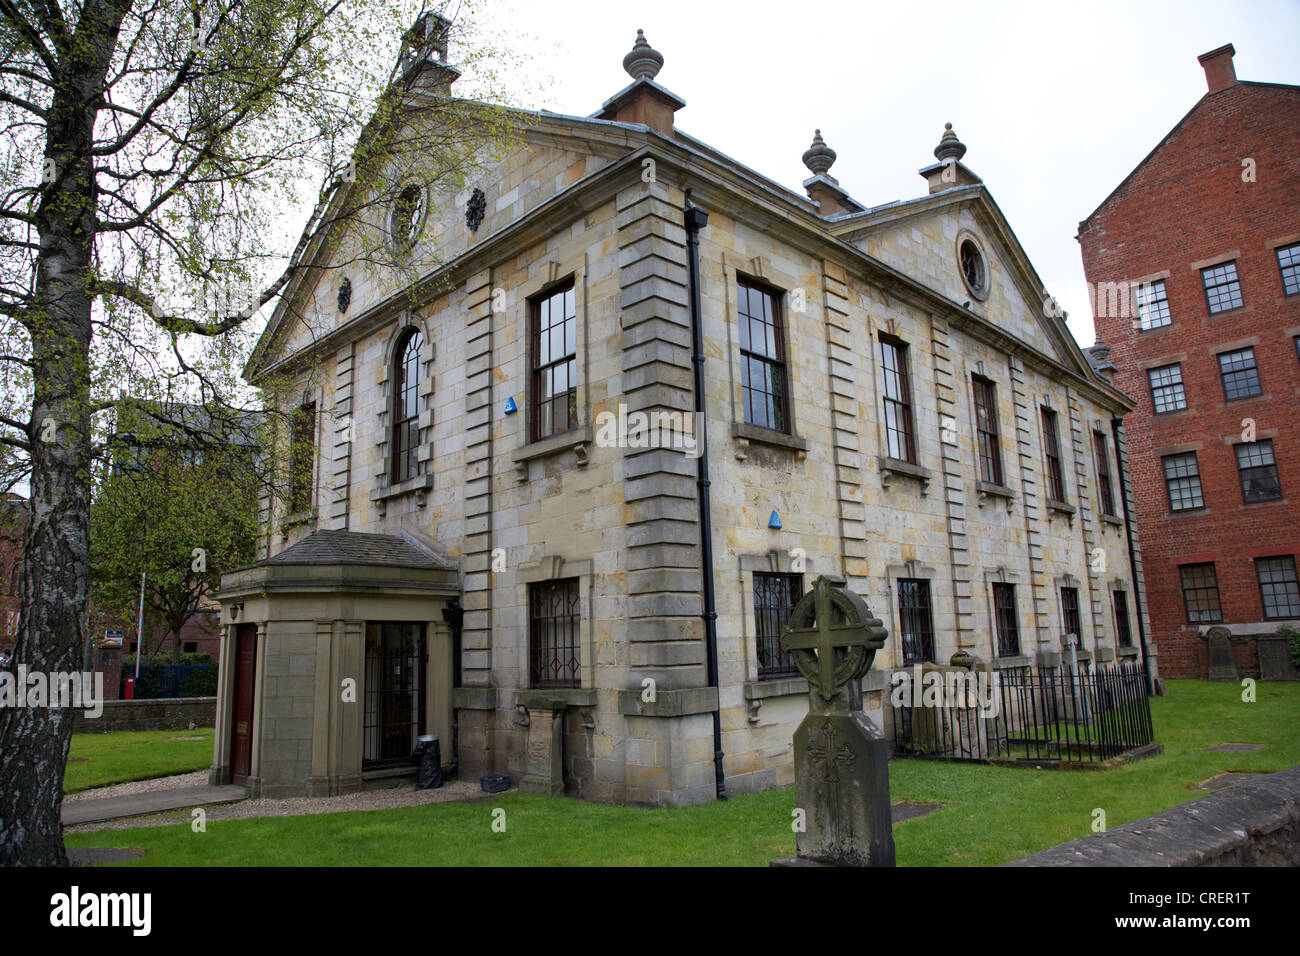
(825, 752)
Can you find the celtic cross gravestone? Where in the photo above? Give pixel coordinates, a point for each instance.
(841, 762)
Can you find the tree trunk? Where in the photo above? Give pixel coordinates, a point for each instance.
(56, 545)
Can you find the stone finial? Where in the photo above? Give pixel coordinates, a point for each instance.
(644, 61)
(819, 157)
(950, 147)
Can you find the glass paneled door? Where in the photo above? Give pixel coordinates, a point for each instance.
(396, 656)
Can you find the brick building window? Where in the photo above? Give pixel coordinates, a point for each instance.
(1167, 393)
(1183, 482)
(915, 621)
(1200, 593)
(302, 458)
(1052, 451)
(1240, 374)
(1258, 471)
(986, 429)
(190, 647)
(1070, 620)
(1278, 588)
(762, 359)
(900, 431)
(554, 613)
(1123, 631)
(1152, 304)
(406, 408)
(1006, 619)
(1222, 288)
(775, 596)
(1288, 261)
(554, 346)
(1105, 486)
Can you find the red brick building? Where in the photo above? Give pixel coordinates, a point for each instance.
(1194, 266)
(13, 519)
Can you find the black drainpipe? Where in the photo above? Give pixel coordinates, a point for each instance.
(697, 219)
(1115, 423)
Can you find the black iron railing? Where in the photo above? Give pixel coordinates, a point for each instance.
(1053, 714)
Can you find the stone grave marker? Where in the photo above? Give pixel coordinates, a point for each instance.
(1222, 664)
(841, 761)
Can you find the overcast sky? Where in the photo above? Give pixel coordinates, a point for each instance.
(1056, 102)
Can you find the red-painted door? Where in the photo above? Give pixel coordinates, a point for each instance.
(241, 724)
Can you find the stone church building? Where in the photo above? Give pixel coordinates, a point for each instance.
(491, 550)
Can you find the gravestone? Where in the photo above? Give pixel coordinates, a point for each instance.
(841, 761)
(1222, 664)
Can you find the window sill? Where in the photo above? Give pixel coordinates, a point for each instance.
(768, 436)
(987, 491)
(418, 486)
(889, 467)
(1128, 651)
(1011, 662)
(775, 687)
(548, 698)
(288, 522)
(575, 438)
(1114, 520)
(1061, 507)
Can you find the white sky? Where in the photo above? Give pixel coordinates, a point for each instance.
(1055, 102)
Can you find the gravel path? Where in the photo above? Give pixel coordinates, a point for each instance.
(404, 795)
(196, 779)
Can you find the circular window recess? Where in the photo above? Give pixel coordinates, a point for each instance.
(407, 217)
(974, 270)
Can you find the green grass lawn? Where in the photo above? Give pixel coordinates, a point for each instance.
(991, 814)
(130, 755)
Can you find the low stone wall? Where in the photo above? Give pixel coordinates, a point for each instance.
(172, 713)
(1251, 823)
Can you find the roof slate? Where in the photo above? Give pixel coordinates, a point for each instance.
(355, 547)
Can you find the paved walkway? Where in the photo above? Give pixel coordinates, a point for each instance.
(138, 804)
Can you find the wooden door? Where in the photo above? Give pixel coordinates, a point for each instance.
(241, 724)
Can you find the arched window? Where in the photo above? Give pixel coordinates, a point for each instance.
(406, 407)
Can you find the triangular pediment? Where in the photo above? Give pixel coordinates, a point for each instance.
(924, 238)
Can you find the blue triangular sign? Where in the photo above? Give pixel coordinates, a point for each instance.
(511, 407)
(774, 521)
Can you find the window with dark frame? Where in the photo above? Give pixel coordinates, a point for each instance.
(394, 694)
(1278, 588)
(1052, 452)
(900, 429)
(1183, 482)
(1123, 629)
(763, 385)
(406, 408)
(1152, 304)
(1006, 619)
(1288, 262)
(1257, 468)
(1105, 486)
(915, 622)
(775, 596)
(1222, 288)
(554, 616)
(1200, 593)
(986, 429)
(553, 347)
(1240, 374)
(1070, 620)
(1167, 394)
(302, 458)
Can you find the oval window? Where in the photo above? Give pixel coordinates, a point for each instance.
(408, 216)
(972, 267)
